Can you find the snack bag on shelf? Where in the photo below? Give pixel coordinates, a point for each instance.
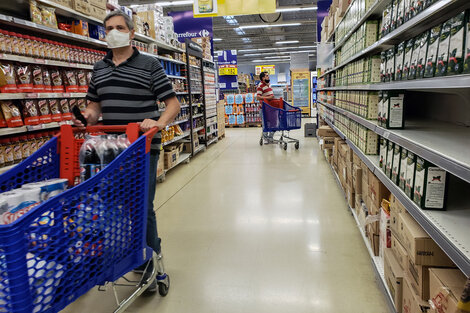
(46, 80)
(57, 82)
(72, 103)
(81, 104)
(70, 80)
(7, 78)
(65, 109)
(45, 111)
(82, 81)
(35, 11)
(25, 81)
(30, 112)
(11, 113)
(38, 81)
(48, 16)
(3, 122)
(56, 114)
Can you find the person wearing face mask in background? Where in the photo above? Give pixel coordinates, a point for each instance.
(265, 92)
(124, 88)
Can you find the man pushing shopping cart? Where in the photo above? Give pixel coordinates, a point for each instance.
(265, 93)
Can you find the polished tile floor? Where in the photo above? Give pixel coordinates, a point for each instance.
(256, 229)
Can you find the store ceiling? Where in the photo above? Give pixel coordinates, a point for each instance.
(230, 33)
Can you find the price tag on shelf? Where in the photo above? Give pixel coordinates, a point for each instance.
(386, 134)
(66, 95)
(40, 61)
(28, 23)
(31, 95)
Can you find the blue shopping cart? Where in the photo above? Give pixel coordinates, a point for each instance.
(278, 115)
(91, 234)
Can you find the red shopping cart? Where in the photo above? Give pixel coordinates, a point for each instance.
(91, 234)
(278, 115)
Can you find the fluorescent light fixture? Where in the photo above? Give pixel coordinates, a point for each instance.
(269, 25)
(254, 61)
(251, 54)
(278, 57)
(240, 31)
(230, 19)
(217, 39)
(175, 3)
(307, 46)
(246, 39)
(286, 42)
(294, 9)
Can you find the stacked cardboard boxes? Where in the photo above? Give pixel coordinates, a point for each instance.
(171, 155)
(95, 8)
(205, 43)
(221, 118)
(326, 136)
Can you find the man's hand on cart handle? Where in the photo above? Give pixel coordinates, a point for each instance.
(90, 117)
(148, 124)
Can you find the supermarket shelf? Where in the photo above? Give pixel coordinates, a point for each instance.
(170, 60)
(201, 147)
(449, 229)
(12, 131)
(211, 107)
(65, 11)
(181, 93)
(33, 95)
(182, 158)
(443, 144)
(374, 11)
(195, 130)
(186, 134)
(214, 140)
(433, 15)
(143, 38)
(184, 106)
(198, 115)
(179, 122)
(37, 28)
(435, 83)
(208, 117)
(198, 104)
(195, 66)
(176, 76)
(210, 124)
(208, 61)
(165, 46)
(23, 59)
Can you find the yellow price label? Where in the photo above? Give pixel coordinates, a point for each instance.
(228, 71)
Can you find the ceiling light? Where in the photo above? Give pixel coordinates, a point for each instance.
(255, 61)
(277, 57)
(175, 3)
(231, 20)
(251, 54)
(217, 39)
(240, 31)
(246, 40)
(286, 42)
(293, 9)
(269, 25)
(307, 46)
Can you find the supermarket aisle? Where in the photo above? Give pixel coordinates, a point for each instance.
(257, 229)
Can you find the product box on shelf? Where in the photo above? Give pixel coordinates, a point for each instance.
(423, 47)
(408, 54)
(82, 6)
(351, 197)
(421, 248)
(396, 164)
(326, 131)
(446, 288)
(443, 49)
(433, 45)
(395, 209)
(400, 19)
(385, 232)
(393, 278)
(398, 250)
(399, 60)
(170, 158)
(410, 174)
(98, 12)
(430, 190)
(456, 46)
(327, 142)
(403, 166)
(378, 191)
(411, 301)
(99, 3)
(390, 65)
(389, 164)
(387, 19)
(414, 58)
(418, 277)
(383, 143)
(395, 118)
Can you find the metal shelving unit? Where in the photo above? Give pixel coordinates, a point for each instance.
(449, 229)
(176, 77)
(198, 115)
(179, 122)
(170, 60)
(33, 95)
(186, 134)
(195, 130)
(214, 140)
(434, 15)
(443, 144)
(23, 59)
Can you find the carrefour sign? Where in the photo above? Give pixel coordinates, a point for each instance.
(186, 26)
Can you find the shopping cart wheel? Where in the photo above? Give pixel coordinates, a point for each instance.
(164, 286)
(285, 146)
(261, 142)
(297, 145)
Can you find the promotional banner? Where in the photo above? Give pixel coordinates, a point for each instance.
(186, 26)
(300, 89)
(228, 69)
(204, 8)
(271, 69)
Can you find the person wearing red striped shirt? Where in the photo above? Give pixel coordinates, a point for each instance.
(265, 92)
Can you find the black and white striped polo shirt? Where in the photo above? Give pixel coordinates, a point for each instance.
(128, 92)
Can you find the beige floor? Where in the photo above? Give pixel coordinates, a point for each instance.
(256, 229)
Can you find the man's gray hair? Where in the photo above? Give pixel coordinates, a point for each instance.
(129, 22)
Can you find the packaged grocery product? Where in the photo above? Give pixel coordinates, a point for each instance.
(82, 81)
(431, 57)
(24, 76)
(57, 82)
(423, 45)
(390, 66)
(65, 109)
(7, 78)
(70, 80)
(11, 113)
(48, 188)
(35, 11)
(393, 22)
(18, 202)
(456, 45)
(81, 103)
(430, 188)
(33, 145)
(443, 49)
(56, 114)
(38, 82)
(48, 16)
(89, 74)
(25, 147)
(400, 12)
(414, 59)
(46, 80)
(399, 59)
(80, 27)
(396, 111)
(3, 123)
(90, 163)
(72, 103)
(30, 112)
(386, 19)
(45, 112)
(383, 66)
(66, 27)
(17, 151)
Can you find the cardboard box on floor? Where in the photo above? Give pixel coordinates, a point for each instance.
(358, 203)
(357, 160)
(411, 301)
(395, 209)
(421, 248)
(343, 150)
(351, 197)
(357, 178)
(327, 142)
(378, 191)
(393, 273)
(160, 166)
(171, 157)
(399, 252)
(326, 131)
(446, 288)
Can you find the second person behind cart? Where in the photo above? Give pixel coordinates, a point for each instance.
(124, 88)
(265, 93)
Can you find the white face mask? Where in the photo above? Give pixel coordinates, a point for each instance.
(117, 39)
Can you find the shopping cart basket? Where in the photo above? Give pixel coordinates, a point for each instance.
(89, 235)
(278, 115)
